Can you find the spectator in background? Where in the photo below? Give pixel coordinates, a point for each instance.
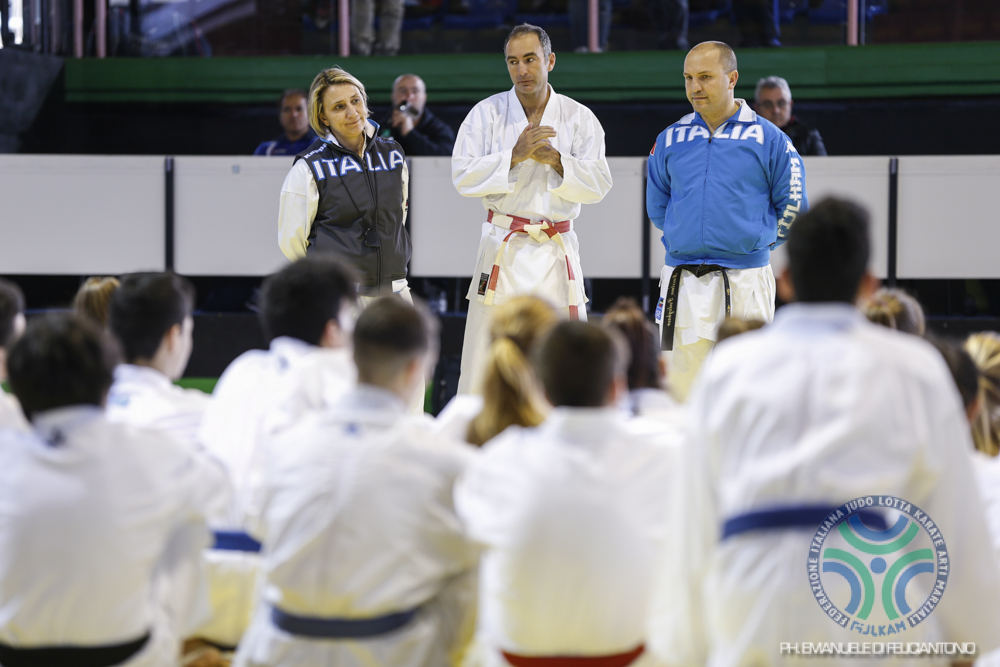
(294, 119)
(773, 101)
(895, 309)
(412, 124)
(94, 297)
(670, 20)
(12, 325)
(757, 21)
(389, 30)
(579, 22)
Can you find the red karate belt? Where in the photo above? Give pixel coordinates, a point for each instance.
(540, 230)
(616, 660)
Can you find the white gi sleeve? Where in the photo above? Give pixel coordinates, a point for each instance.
(586, 176)
(297, 210)
(676, 631)
(475, 171)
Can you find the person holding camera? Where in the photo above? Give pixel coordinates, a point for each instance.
(412, 124)
(347, 193)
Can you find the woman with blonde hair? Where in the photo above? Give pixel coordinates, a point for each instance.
(347, 193)
(93, 299)
(895, 309)
(984, 348)
(510, 392)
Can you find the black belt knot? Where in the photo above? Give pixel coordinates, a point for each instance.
(673, 290)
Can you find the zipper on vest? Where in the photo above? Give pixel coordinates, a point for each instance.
(371, 193)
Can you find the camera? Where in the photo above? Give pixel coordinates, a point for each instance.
(406, 107)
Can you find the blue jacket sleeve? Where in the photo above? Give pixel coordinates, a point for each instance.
(788, 184)
(657, 183)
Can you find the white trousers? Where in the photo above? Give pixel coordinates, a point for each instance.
(476, 345)
(701, 307)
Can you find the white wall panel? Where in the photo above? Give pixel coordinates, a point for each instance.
(226, 215)
(75, 214)
(948, 217)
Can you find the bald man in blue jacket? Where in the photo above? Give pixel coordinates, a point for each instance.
(724, 185)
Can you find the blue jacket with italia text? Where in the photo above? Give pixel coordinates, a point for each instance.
(727, 198)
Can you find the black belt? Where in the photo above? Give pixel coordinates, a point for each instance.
(673, 290)
(71, 656)
(804, 516)
(340, 628)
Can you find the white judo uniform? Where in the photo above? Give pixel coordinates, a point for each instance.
(11, 415)
(358, 523)
(263, 391)
(987, 469)
(571, 514)
(818, 409)
(527, 263)
(95, 516)
(146, 398)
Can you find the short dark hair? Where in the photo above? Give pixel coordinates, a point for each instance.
(627, 318)
(577, 362)
(963, 369)
(828, 251)
(62, 360)
(528, 29)
(292, 91)
(143, 309)
(300, 299)
(11, 305)
(388, 335)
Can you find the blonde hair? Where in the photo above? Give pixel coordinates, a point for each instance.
(510, 389)
(734, 326)
(984, 348)
(94, 297)
(334, 76)
(896, 309)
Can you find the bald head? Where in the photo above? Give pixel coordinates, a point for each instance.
(409, 88)
(725, 53)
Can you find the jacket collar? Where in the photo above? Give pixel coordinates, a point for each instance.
(743, 115)
(371, 129)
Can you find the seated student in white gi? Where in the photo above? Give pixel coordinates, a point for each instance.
(11, 327)
(647, 397)
(150, 315)
(95, 515)
(306, 312)
(571, 514)
(793, 421)
(509, 393)
(365, 560)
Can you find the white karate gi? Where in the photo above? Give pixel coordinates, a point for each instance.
(146, 398)
(358, 523)
(655, 405)
(571, 514)
(987, 469)
(701, 307)
(11, 415)
(263, 391)
(818, 409)
(94, 517)
(454, 419)
(481, 168)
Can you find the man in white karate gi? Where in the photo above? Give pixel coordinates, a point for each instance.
(96, 515)
(534, 157)
(793, 420)
(571, 514)
(306, 312)
(12, 325)
(150, 314)
(365, 560)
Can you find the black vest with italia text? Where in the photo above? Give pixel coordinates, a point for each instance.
(361, 209)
